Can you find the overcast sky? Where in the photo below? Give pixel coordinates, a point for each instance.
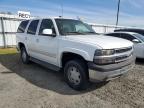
(96, 11)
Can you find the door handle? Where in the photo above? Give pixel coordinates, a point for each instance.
(37, 40)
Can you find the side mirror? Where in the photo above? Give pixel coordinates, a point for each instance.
(48, 32)
(135, 41)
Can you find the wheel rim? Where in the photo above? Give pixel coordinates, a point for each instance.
(23, 55)
(74, 75)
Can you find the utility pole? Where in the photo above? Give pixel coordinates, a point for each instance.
(117, 21)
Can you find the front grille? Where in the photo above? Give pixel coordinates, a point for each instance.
(122, 58)
(123, 50)
(123, 53)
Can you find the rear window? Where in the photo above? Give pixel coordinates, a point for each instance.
(22, 26)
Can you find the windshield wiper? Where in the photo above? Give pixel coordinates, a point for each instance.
(71, 33)
(91, 33)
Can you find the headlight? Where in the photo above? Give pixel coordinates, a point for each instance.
(104, 60)
(104, 52)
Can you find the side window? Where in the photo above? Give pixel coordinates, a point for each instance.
(127, 37)
(114, 35)
(22, 26)
(33, 27)
(46, 24)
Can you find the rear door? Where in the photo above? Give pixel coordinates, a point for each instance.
(31, 38)
(47, 45)
(21, 36)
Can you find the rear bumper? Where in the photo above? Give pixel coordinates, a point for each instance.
(111, 71)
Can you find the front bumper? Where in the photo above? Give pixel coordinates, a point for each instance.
(111, 71)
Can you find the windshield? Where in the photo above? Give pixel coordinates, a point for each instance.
(73, 27)
(141, 37)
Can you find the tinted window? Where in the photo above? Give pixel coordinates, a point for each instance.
(22, 26)
(46, 24)
(141, 37)
(114, 34)
(33, 27)
(73, 27)
(140, 31)
(127, 37)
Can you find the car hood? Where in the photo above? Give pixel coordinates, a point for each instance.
(105, 42)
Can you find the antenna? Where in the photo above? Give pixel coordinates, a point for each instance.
(62, 8)
(62, 14)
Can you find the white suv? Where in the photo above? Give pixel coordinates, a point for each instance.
(74, 47)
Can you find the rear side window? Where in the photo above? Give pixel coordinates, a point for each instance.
(22, 26)
(33, 27)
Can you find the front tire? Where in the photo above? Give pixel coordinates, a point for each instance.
(24, 56)
(75, 73)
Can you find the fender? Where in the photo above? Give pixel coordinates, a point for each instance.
(80, 52)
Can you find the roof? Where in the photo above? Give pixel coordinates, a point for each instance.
(53, 18)
(137, 29)
(131, 33)
(126, 32)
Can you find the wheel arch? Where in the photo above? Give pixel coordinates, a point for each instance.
(66, 56)
(20, 45)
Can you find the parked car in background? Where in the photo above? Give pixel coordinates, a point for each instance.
(136, 38)
(140, 31)
(74, 47)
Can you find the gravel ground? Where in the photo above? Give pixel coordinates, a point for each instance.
(33, 86)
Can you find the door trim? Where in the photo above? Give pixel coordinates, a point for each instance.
(45, 64)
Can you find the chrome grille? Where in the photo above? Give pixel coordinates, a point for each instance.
(121, 57)
(123, 53)
(123, 50)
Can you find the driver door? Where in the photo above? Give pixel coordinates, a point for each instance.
(47, 45)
